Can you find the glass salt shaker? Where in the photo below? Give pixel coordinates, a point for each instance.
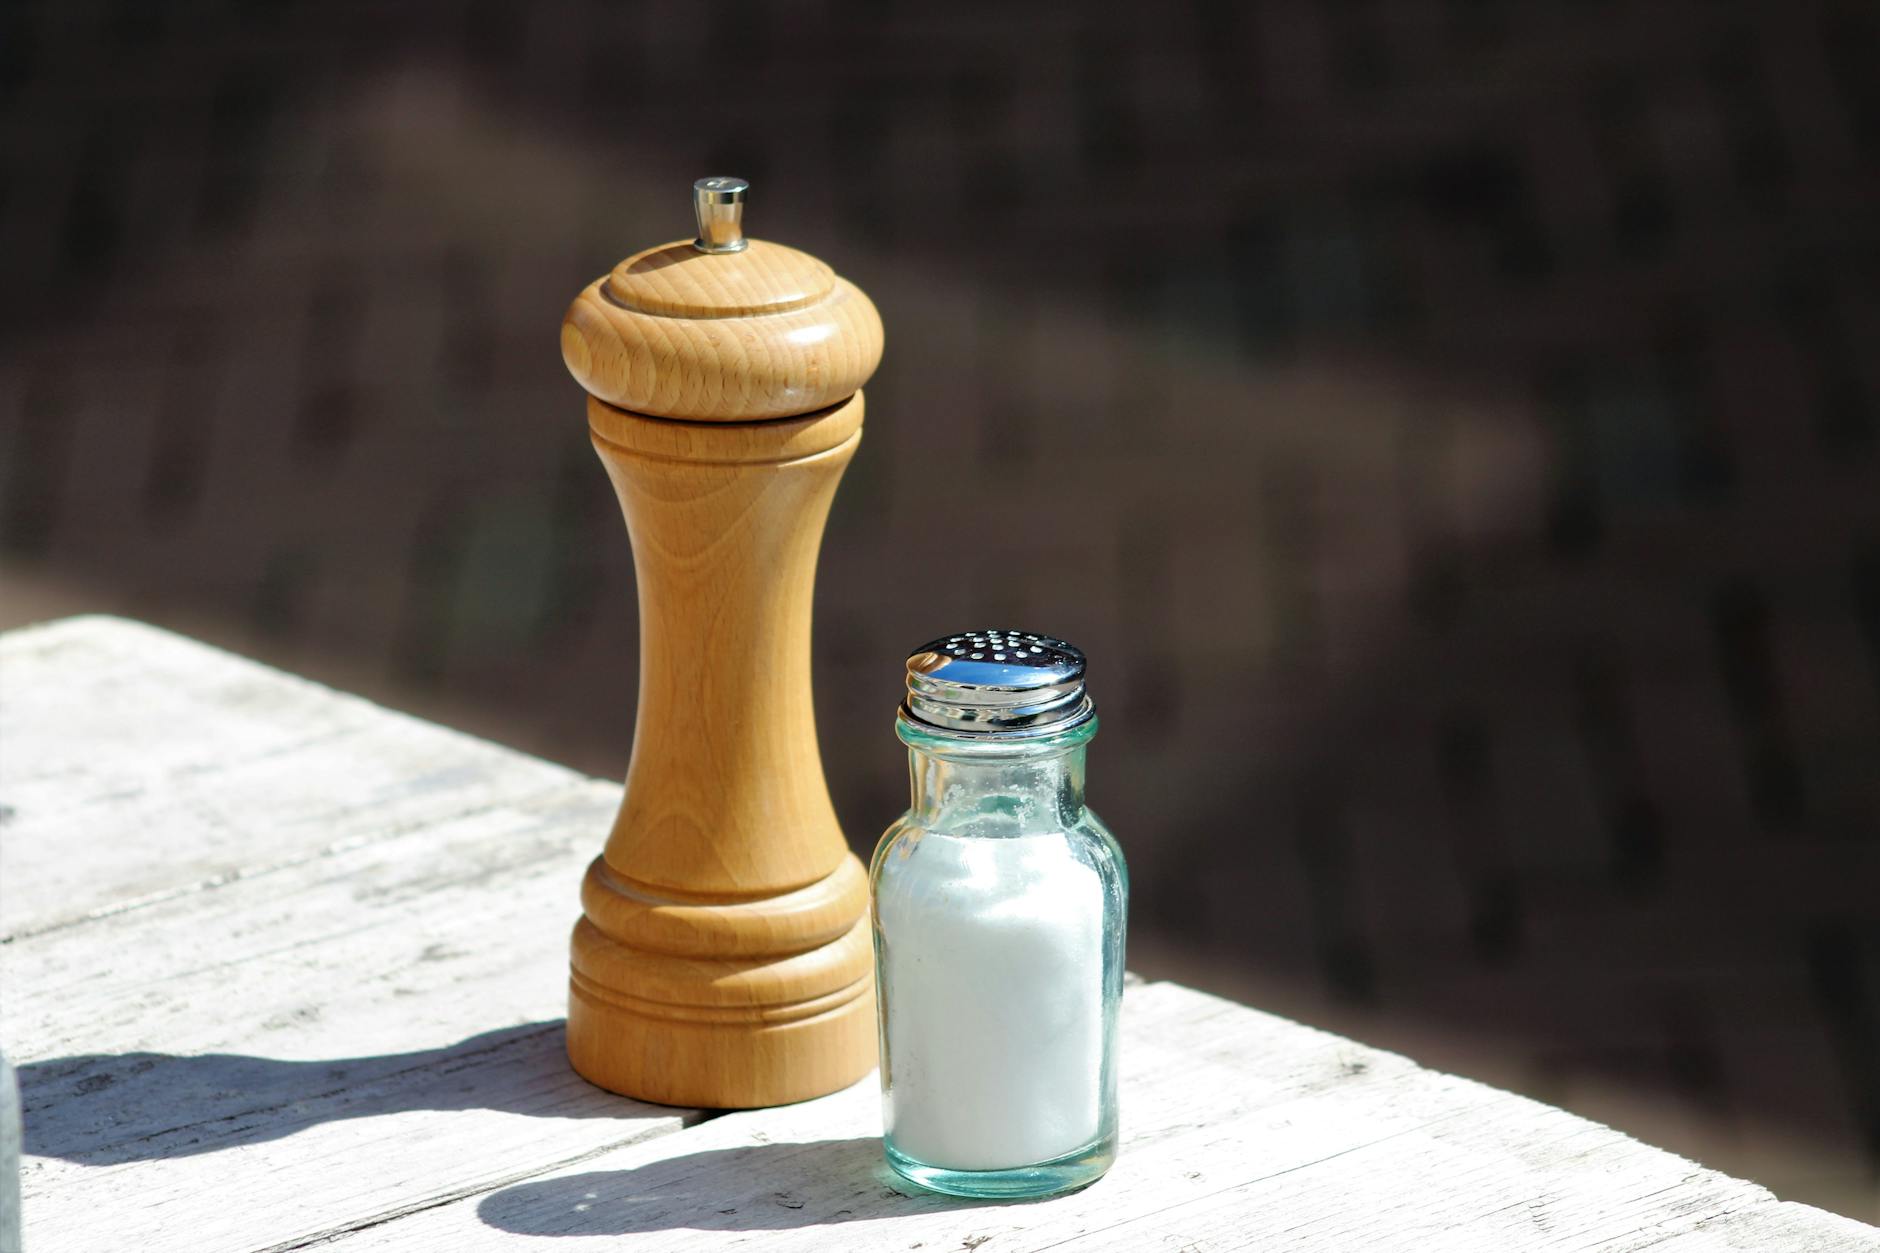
(999, 907)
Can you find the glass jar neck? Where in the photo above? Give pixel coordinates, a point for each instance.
(996, 788)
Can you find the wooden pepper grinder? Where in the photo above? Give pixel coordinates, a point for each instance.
(724, 957)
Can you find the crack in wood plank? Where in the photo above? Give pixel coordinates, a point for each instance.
(392, 832)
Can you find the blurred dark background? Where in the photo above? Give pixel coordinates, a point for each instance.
(1450, 427)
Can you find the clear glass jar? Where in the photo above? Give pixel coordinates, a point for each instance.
(999, 904)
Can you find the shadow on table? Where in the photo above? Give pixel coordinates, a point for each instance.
(828, 1181)
(105, 1109)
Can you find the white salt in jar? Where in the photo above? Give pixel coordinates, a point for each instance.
(999, 907)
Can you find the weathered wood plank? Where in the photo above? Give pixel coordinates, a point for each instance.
(170, 765)
(300, 1051)
(1242, 1131)
(322, 1032)
(307, 1000)
(1781, 1227)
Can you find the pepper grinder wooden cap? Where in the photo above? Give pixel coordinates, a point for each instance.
(723, 958)
(721, 328)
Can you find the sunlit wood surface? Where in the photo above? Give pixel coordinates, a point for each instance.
(282, 968)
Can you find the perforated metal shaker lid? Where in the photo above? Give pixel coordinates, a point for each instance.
(997, 683)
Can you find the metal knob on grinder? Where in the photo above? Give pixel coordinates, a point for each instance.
(718, 204)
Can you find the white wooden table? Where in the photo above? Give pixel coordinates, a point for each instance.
(282, 969)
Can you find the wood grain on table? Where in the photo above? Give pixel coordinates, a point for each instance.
(281, 968)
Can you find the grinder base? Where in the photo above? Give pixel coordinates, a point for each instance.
(728, 1006)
